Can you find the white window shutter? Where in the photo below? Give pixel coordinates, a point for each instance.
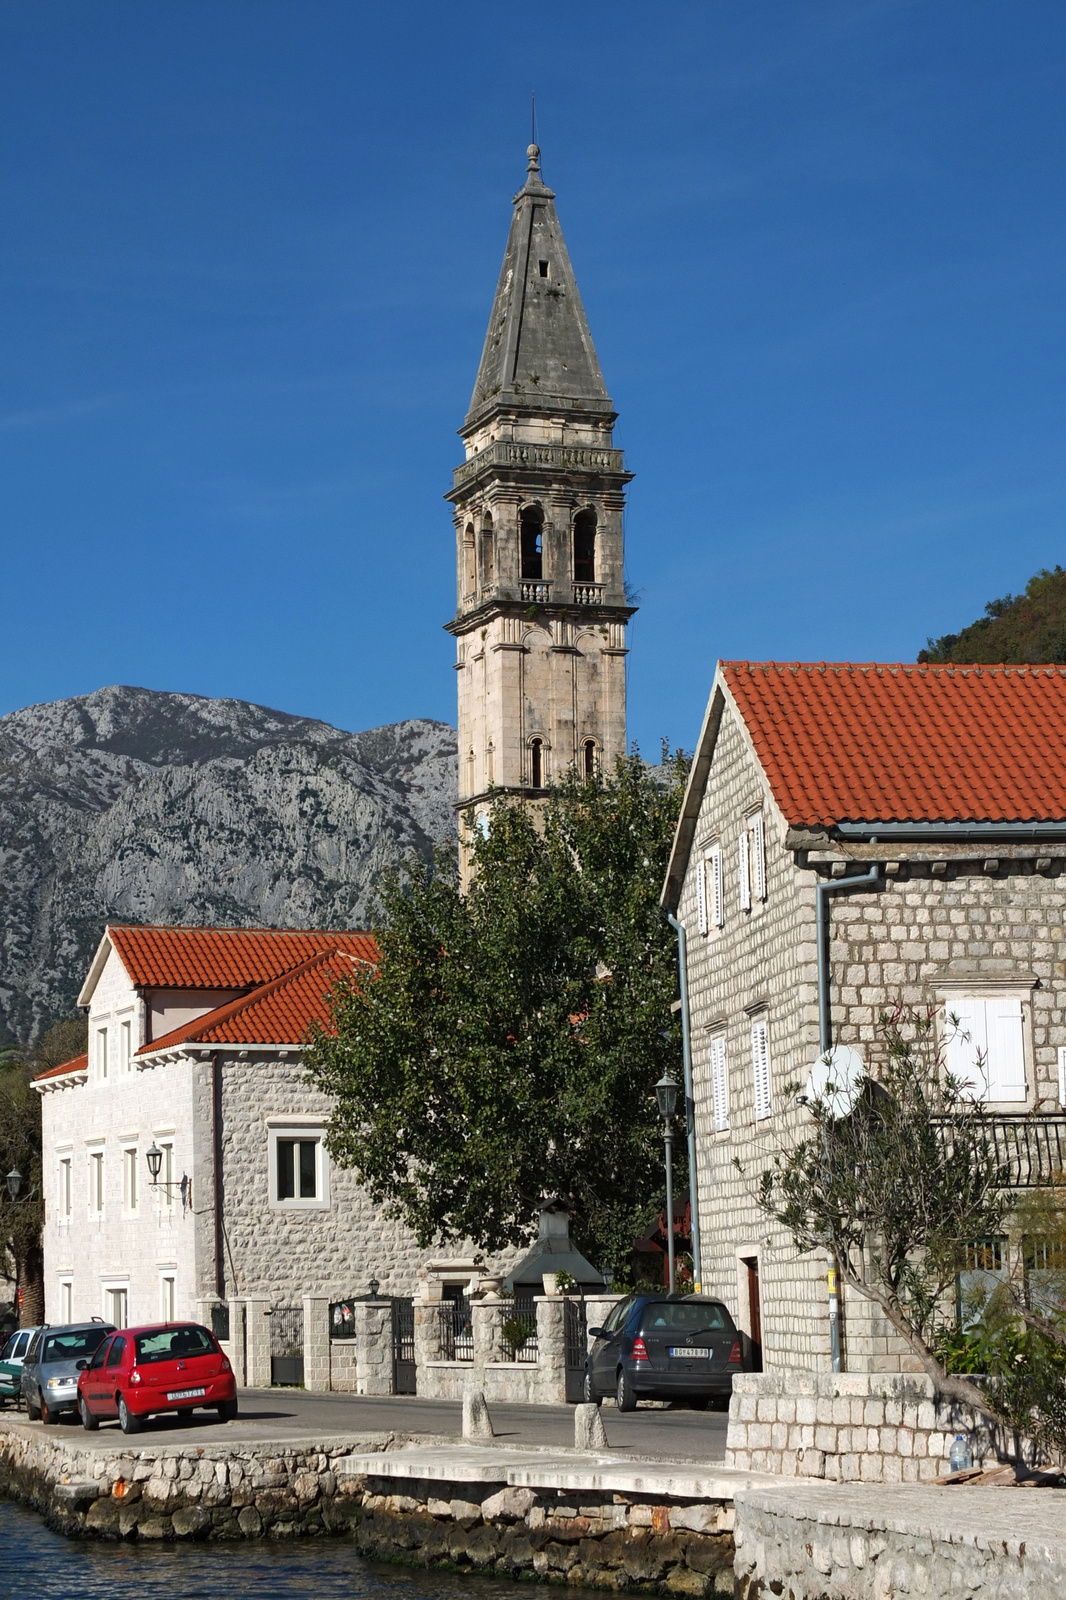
(717, 898)
(719, 1085)
(745, 870)
(966, 1044)
(758, 850)
(1062, 1074)
(760, 1068)
(701, 895)
(1006, 1050)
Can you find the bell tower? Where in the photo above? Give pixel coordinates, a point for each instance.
(541, 613)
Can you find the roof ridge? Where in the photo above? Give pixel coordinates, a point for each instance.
(213, 928)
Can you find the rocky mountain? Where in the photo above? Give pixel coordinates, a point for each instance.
(143, 806)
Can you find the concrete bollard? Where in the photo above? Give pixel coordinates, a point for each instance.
(477, 1424)
(588, 1428)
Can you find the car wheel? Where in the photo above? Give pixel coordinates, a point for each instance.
(227, 1411)
(33, 1411)
(48, 1416)
(625, 1394)
(588, 1393)
(88, 1421)
(126, 1419)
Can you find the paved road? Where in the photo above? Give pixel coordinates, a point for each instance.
(678, 1435)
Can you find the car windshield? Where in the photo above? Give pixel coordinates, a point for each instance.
(76, 1342)
(9, 1349)
(170, 1344)
(685, 1316)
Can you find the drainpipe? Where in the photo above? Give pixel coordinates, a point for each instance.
(690, 1106)
(822, 891)
(216, 1142)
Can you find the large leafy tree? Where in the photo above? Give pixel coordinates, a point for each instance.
(1029, 627)
(507, 1048)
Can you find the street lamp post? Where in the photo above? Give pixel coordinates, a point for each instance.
(666, 1098)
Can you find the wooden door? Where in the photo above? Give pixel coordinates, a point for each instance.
(751, 1263)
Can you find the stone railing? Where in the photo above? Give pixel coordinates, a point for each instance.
(539, 593)
(505, 453)
(588, 594)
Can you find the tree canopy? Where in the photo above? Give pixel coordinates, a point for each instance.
(507, 1048)
(1029, 627)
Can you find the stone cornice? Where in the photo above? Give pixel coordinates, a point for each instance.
(588, 460)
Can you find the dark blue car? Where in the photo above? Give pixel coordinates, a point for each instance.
(664, 1347)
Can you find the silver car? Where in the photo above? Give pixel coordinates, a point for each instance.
(53, 1363)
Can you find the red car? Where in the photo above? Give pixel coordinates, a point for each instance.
(164, 1366)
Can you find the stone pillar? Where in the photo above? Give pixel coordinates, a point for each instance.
(373, 1346)
(551, 1349)
(238, 1347)
(487, 1318)
(257, 1308)
(427, 1334)
(316, 1343)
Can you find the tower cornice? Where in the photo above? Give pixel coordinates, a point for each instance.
(508, 605)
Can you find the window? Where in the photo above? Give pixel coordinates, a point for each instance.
(127, 1046)
(100, 1356)
(758, 857)
(66, 1300)
(719, 1085)
(744, 869)
(297, 1169)
(490, 765)
(531, 541)
(488, 558)
(96, 1181)
(985, 1046)
(760, 1067)
(983, 1269)
(469, 561)
(116, 1301)
(101, 1052)
(1062, 1074)
(66, 1187)
(585, 547)
(702, 921)
(166, 1173)
(588, 758)
(129, 1179)
(536, 763)
(166, 1298)
(543, 265)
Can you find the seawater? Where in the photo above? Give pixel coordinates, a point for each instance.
(37, 1564)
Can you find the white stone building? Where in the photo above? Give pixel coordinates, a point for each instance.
(852, 836)
(195, 1051)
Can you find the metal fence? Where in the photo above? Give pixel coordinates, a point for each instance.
(575, 1328)
(220, 1321)
(1034, 1148)
(404, 1374)
(456, 1332)
(342, 1319)
(287, 1346)
(520, 1342)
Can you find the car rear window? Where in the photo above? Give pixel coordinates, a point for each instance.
(171, 1344)
(685, 1316)
(69, 1346)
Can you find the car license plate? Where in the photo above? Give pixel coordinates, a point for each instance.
(690, 1352)
(186, 1394)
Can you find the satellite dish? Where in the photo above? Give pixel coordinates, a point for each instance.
(835, 1080)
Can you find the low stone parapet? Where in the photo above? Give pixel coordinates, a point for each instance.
(865, 1427)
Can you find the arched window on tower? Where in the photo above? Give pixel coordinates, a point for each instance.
(588, 758)
(488, 553)
(536, 763)
(585, 547)
(469, 561)
(531, 541)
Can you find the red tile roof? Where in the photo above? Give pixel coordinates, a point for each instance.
(278, 1012)
(224, 958)
(79, 1064)
(842, 742)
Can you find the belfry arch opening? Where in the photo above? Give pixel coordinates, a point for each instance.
(585, 547)
(536, 763)
(488, 552)
(469, 561)
(531, 541)
(588, 758)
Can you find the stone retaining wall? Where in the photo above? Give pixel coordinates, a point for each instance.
(869, 1427)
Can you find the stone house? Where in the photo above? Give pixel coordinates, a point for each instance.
(195, 1053)
(852, 836)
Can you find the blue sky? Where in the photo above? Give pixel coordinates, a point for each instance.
(249, 253)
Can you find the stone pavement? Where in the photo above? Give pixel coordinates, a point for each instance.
(290, 1414)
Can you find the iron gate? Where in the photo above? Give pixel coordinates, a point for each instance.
(403, 1347)
(456, 1330)
(287, 1346)
(575, 1328)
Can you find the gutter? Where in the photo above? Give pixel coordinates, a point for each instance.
(216, 1142)
(690, 1104)
(875, 831)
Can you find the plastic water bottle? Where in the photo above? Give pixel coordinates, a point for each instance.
(961, 1456)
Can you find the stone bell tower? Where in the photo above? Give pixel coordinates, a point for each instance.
(541, 616)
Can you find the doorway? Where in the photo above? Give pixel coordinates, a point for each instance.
(751, 1268)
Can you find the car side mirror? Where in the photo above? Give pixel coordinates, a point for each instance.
(81, 1365)
(597, 1333)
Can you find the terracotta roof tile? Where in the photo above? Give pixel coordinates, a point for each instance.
(845, 742)
(224, 958)
(78, 1064)
(278, 1012)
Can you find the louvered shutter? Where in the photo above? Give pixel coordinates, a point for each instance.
(745, 869)
(1006, 1051)
(717, 898)
(760, 1068)
(966, 1045)
(701, 895)
(719, 1085)
(1062, 1074)
(758, 850)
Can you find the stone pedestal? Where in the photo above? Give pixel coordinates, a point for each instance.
(373, 1347)
(316, 1343)
(238, 1342)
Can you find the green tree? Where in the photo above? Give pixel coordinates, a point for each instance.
(507, 1049)
(1030, 627)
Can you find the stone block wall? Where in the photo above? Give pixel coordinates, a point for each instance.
(850, 1427)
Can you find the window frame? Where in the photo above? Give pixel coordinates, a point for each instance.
(719, 1065)
(953, 994)
(131, 1195)
(310, 1132)
(97, 1180)
(761, 1070)
(103, 1053)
